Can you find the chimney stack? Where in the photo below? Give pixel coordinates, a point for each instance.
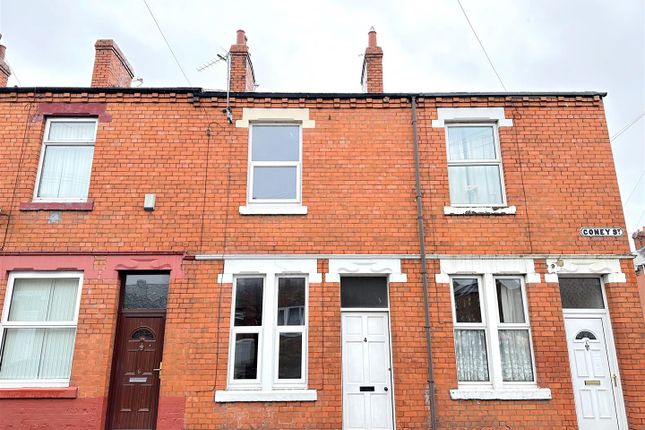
(242, 78)
(5, 71)
(111, 69)
(372, 76)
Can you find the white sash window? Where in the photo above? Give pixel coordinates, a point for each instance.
(38, 329)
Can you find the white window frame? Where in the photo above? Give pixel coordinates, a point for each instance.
(491, 324)
(246, 383)
(5, 324)
(290, 383)
(268, 340)
(47, 142)
(252, 164)
(497, 161)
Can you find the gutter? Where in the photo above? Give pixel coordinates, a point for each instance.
(200, 92)
(424, 266)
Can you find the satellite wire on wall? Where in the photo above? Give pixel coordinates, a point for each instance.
(499, 78)
(167, 43)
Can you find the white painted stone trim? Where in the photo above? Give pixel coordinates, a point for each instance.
(273, 209)
(222, 396)
(471, 114)
(609, 268)
(475, 210)
(506, 394)
(497, 266)
(300, 115)
(365, 266)
(269, 267)
(551, 278)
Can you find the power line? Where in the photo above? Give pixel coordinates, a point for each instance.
(640, 218)
(167, 43)
(482, 45)
(627, 127)
(631, 194)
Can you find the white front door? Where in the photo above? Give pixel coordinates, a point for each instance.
(593, 382)
(367, 375)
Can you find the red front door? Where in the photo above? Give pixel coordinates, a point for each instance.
(135, 379)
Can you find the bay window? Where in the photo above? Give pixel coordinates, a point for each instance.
(38, 329)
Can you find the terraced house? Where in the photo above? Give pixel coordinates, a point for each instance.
(180, 258)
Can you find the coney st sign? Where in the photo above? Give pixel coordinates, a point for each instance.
(601, 232)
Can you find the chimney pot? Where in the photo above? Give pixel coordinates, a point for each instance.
(111, 68)
(241, 37)
(372, 38)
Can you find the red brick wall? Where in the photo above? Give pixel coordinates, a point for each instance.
(550, 348)
(357, 171)
(358, 183)
(629, 331)
(640, 279)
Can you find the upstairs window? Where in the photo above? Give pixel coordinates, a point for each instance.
(275, 163)
(66, 160)
(474, 165)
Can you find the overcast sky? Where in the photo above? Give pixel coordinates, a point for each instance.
(547, 45)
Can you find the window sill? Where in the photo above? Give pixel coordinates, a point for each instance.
(276, 209)
(57, 206)
(505, 394)
(479, 210)
(39, 393)
(266, 396)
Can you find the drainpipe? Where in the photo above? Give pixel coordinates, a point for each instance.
(424, 266)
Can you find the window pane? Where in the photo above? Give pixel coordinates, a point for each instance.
(275, 143)
(509, 301)
(471, 143)
(275, 182)
(466, 293)
(291, 301)
(475, 185)
(146, 291)
(56, 359)
(66, 171)
(43, 300)
(472, 360)
(37, 353)
(246, 356)
(290, 356)
(71, 131)
(363, 292)
(515, 350)
(248, 301)
(581, 293)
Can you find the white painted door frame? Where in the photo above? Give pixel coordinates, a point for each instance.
(608, 333)
(366, 311)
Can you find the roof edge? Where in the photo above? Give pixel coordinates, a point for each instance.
(210, 93)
